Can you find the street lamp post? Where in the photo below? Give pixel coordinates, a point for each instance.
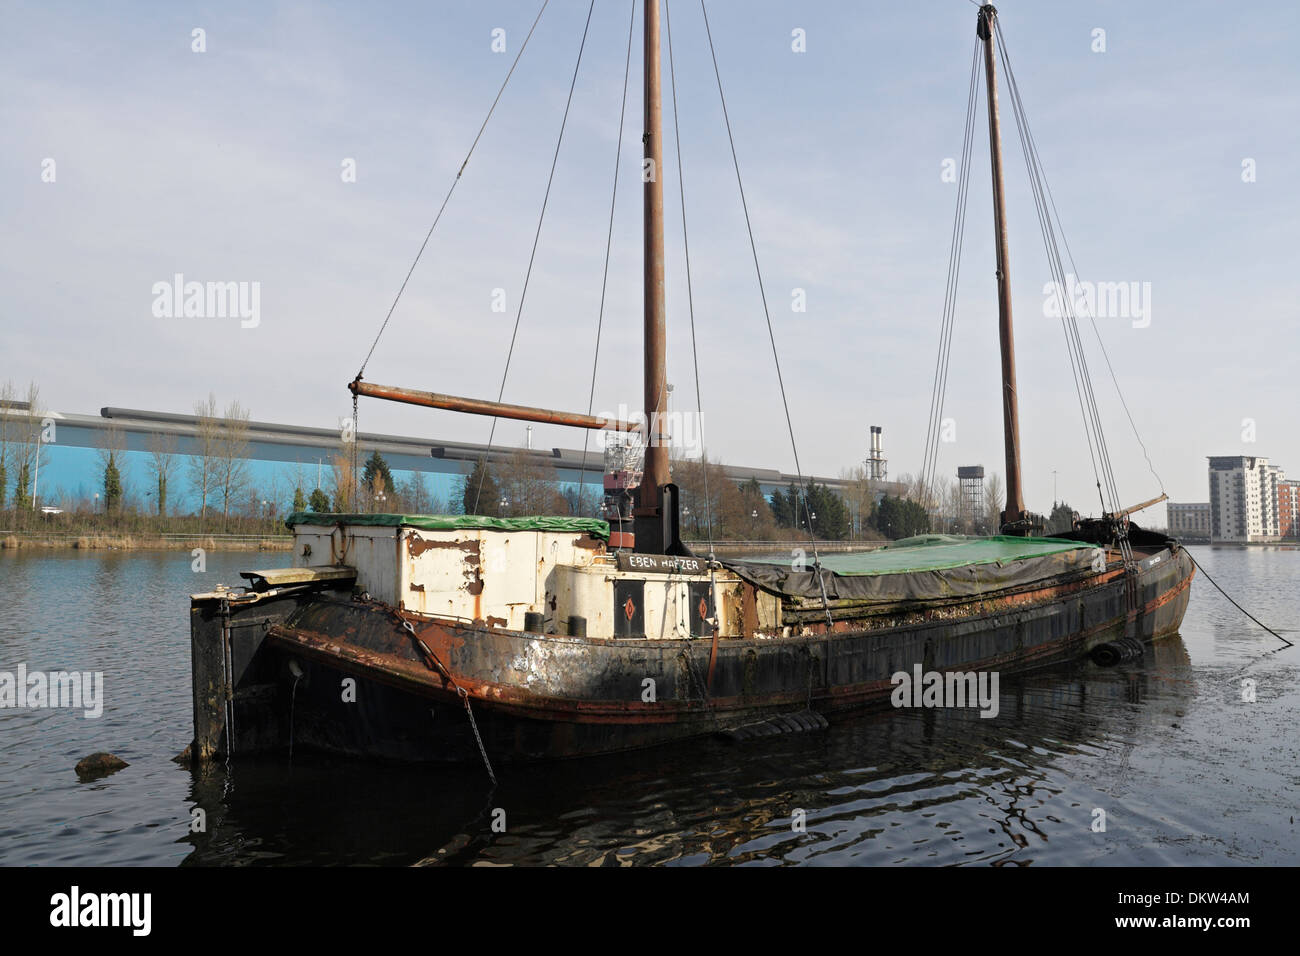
(36, 478)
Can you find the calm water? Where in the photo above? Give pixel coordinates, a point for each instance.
(1186, 772)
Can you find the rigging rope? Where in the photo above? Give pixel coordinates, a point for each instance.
(785, 404)
(940, 386)
(690, 298)
(514, 335)
(523, 46)
(695, 352)
(609, 241)
(1074, 341)
(1093, 429)
(1090, 313)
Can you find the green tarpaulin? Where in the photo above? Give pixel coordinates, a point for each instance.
(924, 568)
(933, 552)
(592, 526)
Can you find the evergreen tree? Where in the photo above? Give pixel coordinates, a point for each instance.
(319, 501)
(112, 487)
(375, 465)
(794, 503)
(832, 514)
(22, 498)
(299, 501)
(780, 509)
(897, 518)
(481, 489)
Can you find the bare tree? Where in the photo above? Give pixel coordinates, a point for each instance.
(6, 428)
(529, 485)
(203, 463)
(960, 521)
(231, 457)
(163, 463)
(912, 488)
(993, 502)
(712, 503)
(27, 448)
(343, 479)
(415, 494)
(859, 495)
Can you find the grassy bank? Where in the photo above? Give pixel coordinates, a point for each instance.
(143, 542)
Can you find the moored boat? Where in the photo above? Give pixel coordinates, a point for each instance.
(452, 638)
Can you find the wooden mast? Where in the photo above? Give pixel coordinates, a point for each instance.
(1014, 512)
(648, 525)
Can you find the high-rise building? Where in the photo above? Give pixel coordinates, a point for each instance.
(1244, 499)
(1288, 508)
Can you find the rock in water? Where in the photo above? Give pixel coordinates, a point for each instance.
(99, 765)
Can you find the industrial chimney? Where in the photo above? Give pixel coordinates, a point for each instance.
(877, 464)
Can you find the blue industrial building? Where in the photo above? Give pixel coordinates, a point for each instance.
(282, 458)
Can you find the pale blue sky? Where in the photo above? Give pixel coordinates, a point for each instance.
(225, 166)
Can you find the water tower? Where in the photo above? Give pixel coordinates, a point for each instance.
(971, 481)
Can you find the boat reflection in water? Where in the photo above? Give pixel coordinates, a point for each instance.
(902, 786)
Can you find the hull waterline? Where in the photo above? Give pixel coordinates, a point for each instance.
(328, 671)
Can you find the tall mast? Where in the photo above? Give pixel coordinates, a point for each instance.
(1015, 508)
(648, 524)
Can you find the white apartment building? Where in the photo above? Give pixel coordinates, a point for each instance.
(1243, 499)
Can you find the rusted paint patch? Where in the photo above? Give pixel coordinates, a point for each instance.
(495, 621)
(417, 545)
(588, 543)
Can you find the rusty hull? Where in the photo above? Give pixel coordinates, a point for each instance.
(541, 696)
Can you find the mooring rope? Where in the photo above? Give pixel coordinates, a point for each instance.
(1234, 603)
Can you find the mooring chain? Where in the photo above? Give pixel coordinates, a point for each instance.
(807, 649)
(356, 478)
(464, 695)
(693, 679)
(461, 692)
